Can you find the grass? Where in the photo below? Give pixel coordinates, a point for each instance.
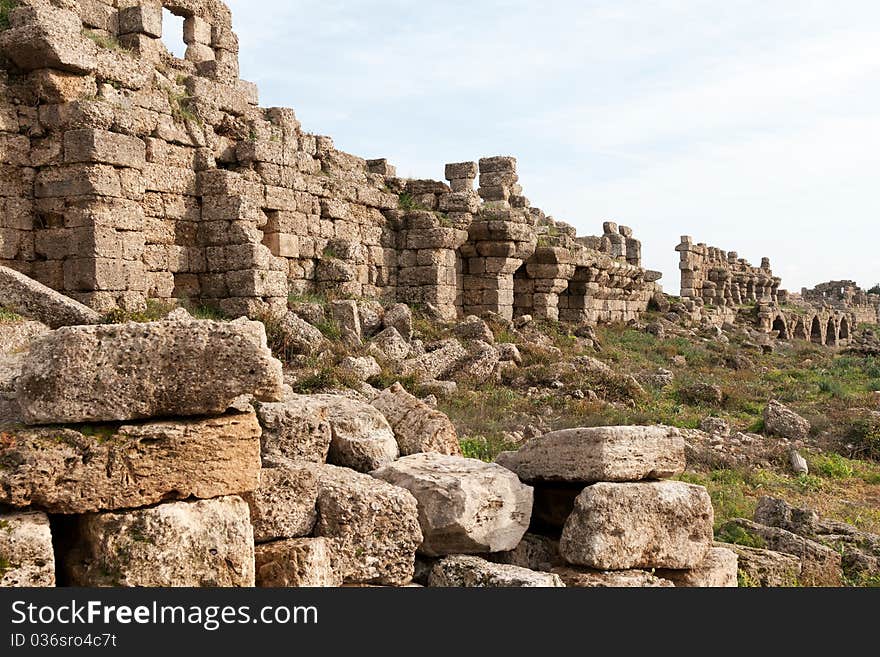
(104, 41)
(407, 203)
(6, 6)
(182, 108)
(9, 317)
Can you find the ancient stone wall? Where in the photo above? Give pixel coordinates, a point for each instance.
(845, 295)
(826, 315)
(722, 278)
(129, 174)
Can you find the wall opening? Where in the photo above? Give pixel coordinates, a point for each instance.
(779, 325)
(523, 292)
(816, 331)
(172, 34)
(844, 329)
(831, 333)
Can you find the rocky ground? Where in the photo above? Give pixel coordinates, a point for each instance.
(784, 436)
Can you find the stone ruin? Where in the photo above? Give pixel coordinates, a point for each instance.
(129, 174)
(155, 468)
(720, 283)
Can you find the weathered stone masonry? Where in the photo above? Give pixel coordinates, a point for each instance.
(826, 315)
(129, 174)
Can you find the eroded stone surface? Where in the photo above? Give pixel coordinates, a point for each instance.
(296, 563)
(209, 543)
(639, 525)
(284, 505)
(468, 571)
(417, 427)
(718, 570)
(375, 527)
(614, 579)
(611, 454)
(140, 371)
(109, 467)
(465, 506)
(27, 559)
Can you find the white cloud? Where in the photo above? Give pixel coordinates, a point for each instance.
(748, 124)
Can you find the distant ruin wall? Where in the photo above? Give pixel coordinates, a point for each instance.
(129, 174)
(825, 315)
(722, 278)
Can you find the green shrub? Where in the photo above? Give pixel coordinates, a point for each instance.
(833, 466)
(483, 448)
(6, 6)
(737, 535)
(8, 317)
(865, 437)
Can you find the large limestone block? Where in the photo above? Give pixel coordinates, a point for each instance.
(29, 298)
(663, 524)
(361, 437)
(470, 572)
(465, 506)
(296, 428)
(375, 526)
(610, 454)
(718, 570)
(43, 36)
(300, 336)
(124, 372)
(417, 427)
(27, 559)
(209, 543)
(297, 563)
(285, 503)
(765, 568)
(104, 468)
(610, 579)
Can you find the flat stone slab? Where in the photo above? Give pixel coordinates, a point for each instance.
(465, 506)
(470, 572)
(122, 372)
(110, 467)
(609, 454)
(664, 524)
(34, 300)
(208, 543)
(27, 559)
(610, 579)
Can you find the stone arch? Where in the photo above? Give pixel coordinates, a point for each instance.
(816, 331)
(779, 324)
(831, 333)
(844, 329)
(800, 330)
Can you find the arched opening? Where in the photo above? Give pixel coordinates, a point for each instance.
(844, 329)
(172, 33)
(800, 330)
(780, 326)
(523, 292)
(816, 331)
(831, 333)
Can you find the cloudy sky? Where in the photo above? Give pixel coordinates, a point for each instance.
(751, 125)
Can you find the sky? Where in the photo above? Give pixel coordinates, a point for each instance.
(750, 125)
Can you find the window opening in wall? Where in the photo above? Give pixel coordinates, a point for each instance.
(172, 34)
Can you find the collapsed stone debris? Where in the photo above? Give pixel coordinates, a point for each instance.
(176, 452)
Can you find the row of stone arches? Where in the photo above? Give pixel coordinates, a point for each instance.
(831, 332)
